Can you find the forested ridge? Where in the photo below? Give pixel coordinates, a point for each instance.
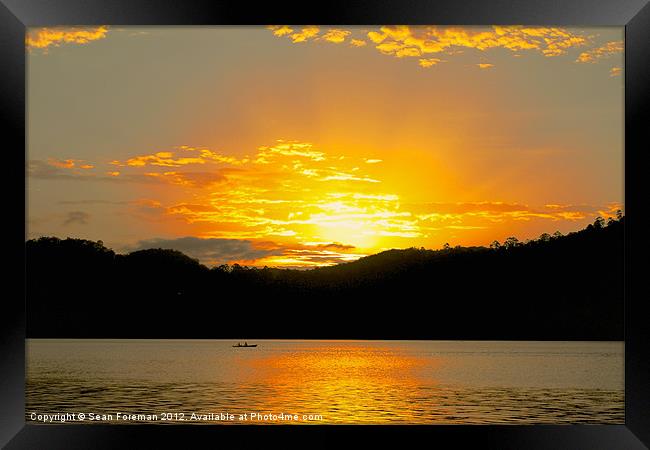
(554, 287)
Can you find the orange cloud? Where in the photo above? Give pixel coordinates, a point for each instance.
(604, 51)
(69, 163)
(615, 71)
(43, 38)
(358, 42)
(485, 65)
(190, 179)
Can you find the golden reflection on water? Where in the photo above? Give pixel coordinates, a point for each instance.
(368, 382)
(345, 383)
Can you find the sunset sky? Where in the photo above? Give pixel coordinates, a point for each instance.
(299, 146)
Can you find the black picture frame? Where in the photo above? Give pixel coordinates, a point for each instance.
(16, 15)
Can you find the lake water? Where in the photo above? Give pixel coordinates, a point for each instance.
(374, 382)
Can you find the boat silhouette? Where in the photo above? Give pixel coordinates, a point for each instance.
(245, 344)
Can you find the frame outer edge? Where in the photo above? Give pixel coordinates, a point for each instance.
(342, 12)
(12, 317)
(12, 85)
(637, 330)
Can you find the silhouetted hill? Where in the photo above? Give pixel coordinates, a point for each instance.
(555, 287)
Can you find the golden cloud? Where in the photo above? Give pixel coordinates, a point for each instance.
(43, 38)
(170, 159)
(336, 36)
(615, 71)
(305, 34)
(429, 62)
(288, 148)
(281, 30)
(495, 212)
(305, 258)
(604, 51)
(396, 40)
(402, 41)
(164, 159)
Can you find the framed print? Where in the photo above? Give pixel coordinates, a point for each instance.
(378, 218)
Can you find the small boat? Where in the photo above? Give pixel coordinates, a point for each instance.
(245, 344)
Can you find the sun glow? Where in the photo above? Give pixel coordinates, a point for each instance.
(302, 206)
(319, 145)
